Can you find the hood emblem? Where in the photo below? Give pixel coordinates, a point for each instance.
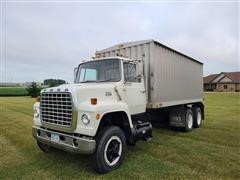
(108, 93)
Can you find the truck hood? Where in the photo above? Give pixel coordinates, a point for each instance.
(83, 86)
(84, 92)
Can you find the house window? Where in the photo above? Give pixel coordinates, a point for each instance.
(225, 86)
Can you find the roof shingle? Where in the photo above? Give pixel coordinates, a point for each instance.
(234, 76)
(209, 78)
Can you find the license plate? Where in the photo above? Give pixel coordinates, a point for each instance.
(55, 137)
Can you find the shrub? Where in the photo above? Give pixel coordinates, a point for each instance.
(33, 90)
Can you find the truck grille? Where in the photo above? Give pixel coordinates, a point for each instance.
(56, 108)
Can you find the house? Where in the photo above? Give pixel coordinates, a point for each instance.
(223, 82)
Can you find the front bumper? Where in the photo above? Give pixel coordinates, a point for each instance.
(66, 142)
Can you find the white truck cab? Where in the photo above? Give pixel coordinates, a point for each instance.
(107, 92)
(109, 106)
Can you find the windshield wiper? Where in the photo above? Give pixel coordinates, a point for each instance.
(106, 80)
(88, 81)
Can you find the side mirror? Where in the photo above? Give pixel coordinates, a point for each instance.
(139, 77)
(75, 72)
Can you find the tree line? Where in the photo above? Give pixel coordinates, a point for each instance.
(53, 82)
(34, 89)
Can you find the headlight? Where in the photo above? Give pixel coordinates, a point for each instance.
(36, 113)
(85, 119)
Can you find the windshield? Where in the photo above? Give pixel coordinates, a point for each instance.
(99, 71)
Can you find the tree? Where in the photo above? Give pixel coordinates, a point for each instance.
(33, 90)
(53, 82)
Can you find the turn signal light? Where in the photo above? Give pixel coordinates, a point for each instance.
(97, 116)
(38, 98)
(93, 101)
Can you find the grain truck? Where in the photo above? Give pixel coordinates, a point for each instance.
(116, 97)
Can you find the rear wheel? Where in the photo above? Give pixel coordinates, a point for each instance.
(110, 151)
(197, 117)
(188, 120)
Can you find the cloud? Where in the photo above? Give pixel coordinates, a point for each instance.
(47, 40)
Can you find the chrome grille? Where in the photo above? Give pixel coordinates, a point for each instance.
(56, 108)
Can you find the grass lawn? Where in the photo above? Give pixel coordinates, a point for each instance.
(211, 152)
(13, 91)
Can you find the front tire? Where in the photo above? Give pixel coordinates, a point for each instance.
(110, 149)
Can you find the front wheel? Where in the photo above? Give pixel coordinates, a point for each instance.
(110, 151)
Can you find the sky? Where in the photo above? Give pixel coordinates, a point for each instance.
(41, 40)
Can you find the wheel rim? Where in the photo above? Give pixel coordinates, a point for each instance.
(199, 118)
(113, 150)
(190, 121)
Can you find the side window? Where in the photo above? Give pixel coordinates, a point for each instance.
(130, 72)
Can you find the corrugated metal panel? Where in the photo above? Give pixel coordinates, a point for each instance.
(125, 45)
(175, 78)
(171, 77)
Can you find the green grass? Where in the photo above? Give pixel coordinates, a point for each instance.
(13, 91)
(211, 152)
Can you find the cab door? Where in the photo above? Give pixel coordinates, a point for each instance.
(134, 93)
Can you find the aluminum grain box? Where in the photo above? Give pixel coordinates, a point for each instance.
(171, 78)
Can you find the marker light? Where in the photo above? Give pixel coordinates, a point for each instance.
(38, 98)
(93, 101)
(97, 116)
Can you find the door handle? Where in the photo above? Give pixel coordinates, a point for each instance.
(143, 91)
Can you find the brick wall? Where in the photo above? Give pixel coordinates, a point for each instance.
(226, 87)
